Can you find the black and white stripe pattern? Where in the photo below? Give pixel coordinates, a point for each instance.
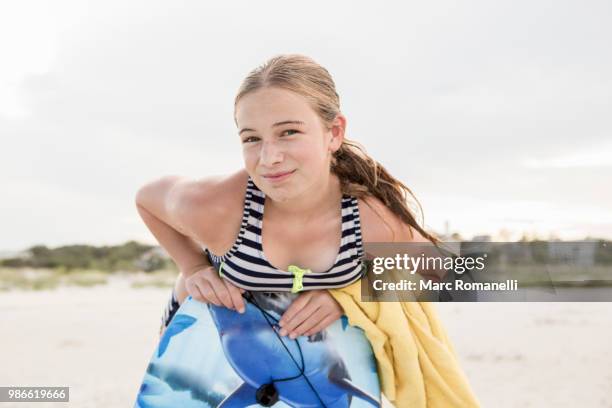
(169, 311)
(245, 264)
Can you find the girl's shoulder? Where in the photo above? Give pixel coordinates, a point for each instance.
(212, 207)
(380, 224)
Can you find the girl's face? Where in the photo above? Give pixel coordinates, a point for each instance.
(286, 147)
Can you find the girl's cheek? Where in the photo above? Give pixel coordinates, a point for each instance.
(250, 155)
(307, 153)
(301, 150)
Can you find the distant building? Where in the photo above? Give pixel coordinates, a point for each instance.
(575, 253)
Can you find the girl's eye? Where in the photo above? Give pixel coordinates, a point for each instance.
(254, 138)
(289, 130)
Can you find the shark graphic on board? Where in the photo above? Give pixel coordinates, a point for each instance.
(159, 380)
(259, 356)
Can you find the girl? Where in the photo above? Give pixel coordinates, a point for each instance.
(294, 219)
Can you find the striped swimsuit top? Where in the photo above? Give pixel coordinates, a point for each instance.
(246, 266)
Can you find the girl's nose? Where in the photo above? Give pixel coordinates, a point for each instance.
(270, 154)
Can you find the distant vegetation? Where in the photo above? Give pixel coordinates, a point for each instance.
(131, 256)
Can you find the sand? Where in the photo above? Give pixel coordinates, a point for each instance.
(98, 342)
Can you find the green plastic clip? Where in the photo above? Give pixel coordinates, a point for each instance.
(298, 275)
(221, 270)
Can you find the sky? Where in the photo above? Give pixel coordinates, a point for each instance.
(495, 114)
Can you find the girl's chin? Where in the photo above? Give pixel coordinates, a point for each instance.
(279, 196)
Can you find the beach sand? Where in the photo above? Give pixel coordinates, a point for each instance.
(99, 340)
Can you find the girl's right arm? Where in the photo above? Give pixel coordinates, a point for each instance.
(161, 205)
(169, 207)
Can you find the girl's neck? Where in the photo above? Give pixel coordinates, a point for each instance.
(320, 198)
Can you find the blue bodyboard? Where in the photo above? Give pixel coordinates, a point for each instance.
(214, 357)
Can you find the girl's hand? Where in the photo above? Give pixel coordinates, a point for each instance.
(311, 312)
(207, 286)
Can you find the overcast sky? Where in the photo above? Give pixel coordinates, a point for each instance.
(496, 114)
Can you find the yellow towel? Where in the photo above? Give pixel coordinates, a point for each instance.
(417, 364)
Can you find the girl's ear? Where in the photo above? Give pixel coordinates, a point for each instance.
(338, 127)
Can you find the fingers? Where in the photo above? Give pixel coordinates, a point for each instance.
(207, 292)
(310, 313)
(206, 286)
(235, 294)
(229, 294)
(294, 308)
(322, 325)
(193, 290)
(222, 292)
(311, 310)
(309, 322)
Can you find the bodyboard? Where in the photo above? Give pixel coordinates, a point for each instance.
(214, 357)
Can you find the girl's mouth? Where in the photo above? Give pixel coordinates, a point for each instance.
(279, 176)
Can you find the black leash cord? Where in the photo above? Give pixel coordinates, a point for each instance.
(301, 368)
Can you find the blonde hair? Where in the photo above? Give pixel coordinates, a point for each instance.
(359, 174)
